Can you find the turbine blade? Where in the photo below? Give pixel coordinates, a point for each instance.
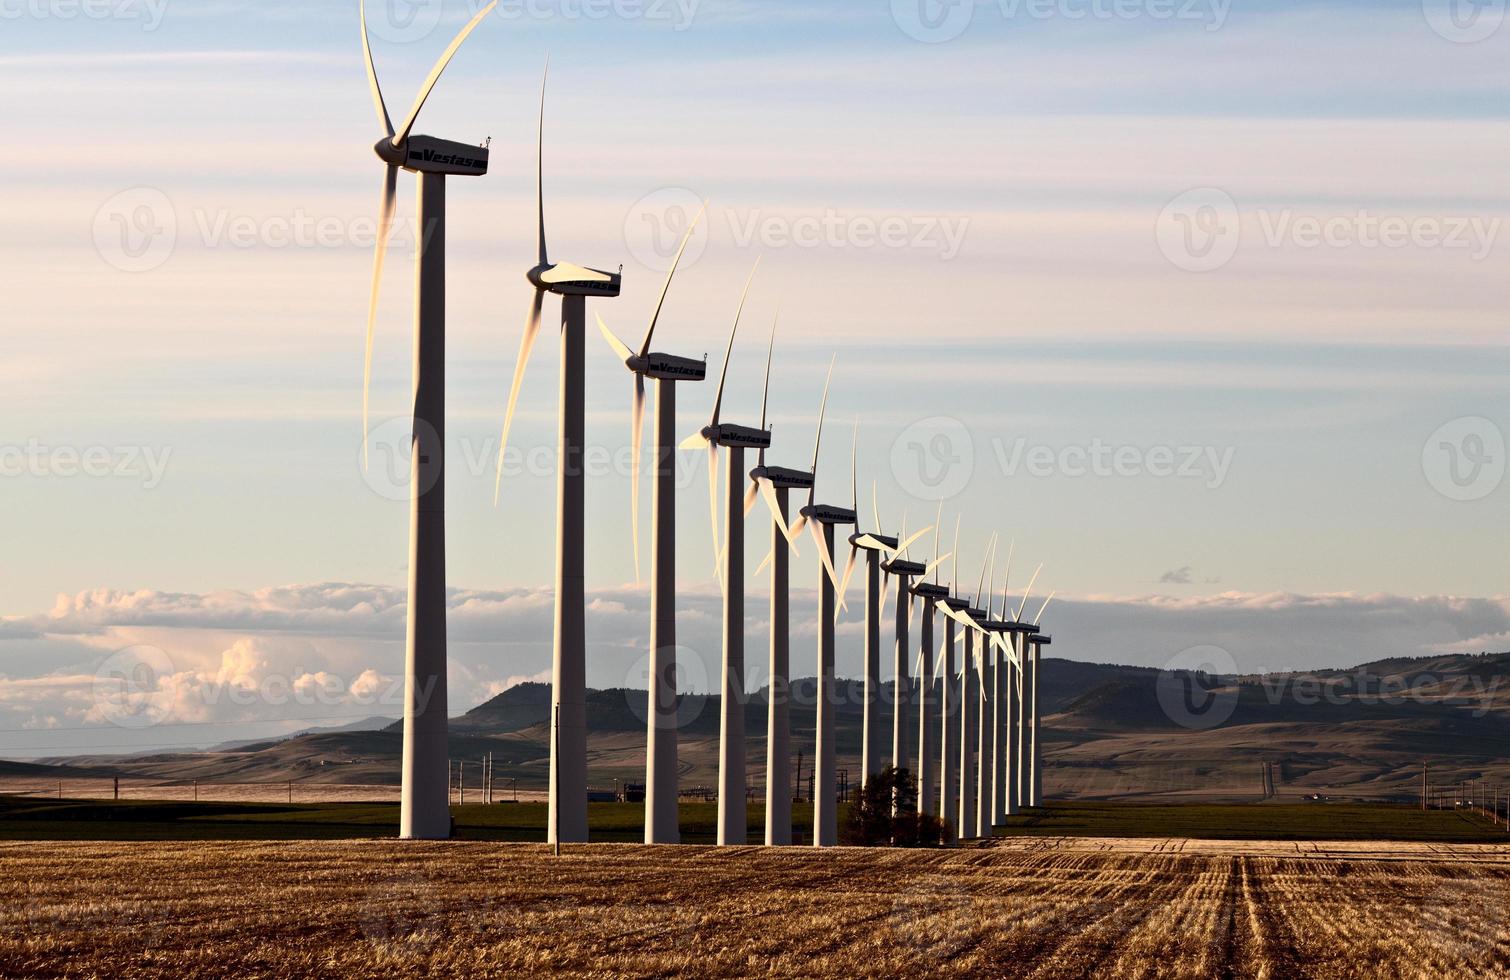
(380, 252)
(1031, 582)
(935, 564)
(854, 471)
(1011, 550)
(695, 441)
(799, 525)
(750, 496)
(372, 79)
(768, 491)
(954, 583)
(718, 401)
(619, 347)
(824, 558)
(769, 555)
(526, 344)
(885, 595)
(769, 353)
(938, 527)
(981, 584)
(637, 445)
(1039, 618)
(818, 437)
(911, 539)
(875, 506)
(670, 274)
(440, 66)
(849, 569)
(540, 168)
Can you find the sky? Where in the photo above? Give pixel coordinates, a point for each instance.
(1199, 304)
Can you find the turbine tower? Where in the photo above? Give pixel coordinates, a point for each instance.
(661, 825)
(904, 571)
(931, 594)
(820, 520)
(970, 696)
(567, 817)
(1025, 683)
(774, 484)
(733, 822)
(950, 702)
(424, 810)
(1037, 642)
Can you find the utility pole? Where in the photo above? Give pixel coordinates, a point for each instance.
(1425, 786)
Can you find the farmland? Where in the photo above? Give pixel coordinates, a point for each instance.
(1048, 907)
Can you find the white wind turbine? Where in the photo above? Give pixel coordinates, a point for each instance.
(424, 808)
(733, 827)
(774, 484)
(567, 819)
(1036, 641)
(877, 547)
(903, 570)
(661, 823)
(821, 519)
(932, 594)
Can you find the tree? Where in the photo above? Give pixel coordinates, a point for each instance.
(883, 812)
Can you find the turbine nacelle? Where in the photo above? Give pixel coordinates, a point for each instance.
(432, 155)
(669, 367)
(1040, 640)
(871, 541)
(1010, 626)
(783, 477)
(828, 514)
(566, 279)
(904, 568)
(741, 436)
(929, 590)
(956, 604)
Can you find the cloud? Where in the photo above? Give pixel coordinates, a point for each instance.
(1177, 576)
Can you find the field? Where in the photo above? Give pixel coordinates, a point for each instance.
(1027, 907)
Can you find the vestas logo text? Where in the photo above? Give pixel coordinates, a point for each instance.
(450, 159)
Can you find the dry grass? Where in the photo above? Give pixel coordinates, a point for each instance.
(1044, 908)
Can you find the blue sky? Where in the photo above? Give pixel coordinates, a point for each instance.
(1041, 174)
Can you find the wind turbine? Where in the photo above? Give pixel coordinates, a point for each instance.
(877, 547)
(1037, 642)
(1032, 779)
(733, 826)
(950, 701)
(661, 825)
(970, 697)
(1022, 735)
(424, 808)
(904, 571)
(974, 618)
(931, 593)
(774, 484)
(567, 819)
(821, 519)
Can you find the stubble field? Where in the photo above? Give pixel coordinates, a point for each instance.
(1046, 907)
